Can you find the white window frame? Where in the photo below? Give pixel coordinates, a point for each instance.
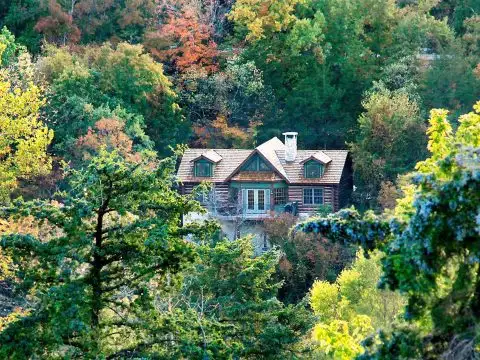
(256, 195)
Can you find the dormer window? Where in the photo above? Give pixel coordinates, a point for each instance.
(203, 168)
(204, 164)
(314, 165)
(313, 169)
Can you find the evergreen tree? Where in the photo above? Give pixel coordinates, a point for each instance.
(119, 232)
(226, 308)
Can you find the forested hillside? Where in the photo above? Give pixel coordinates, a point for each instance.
(99, 100)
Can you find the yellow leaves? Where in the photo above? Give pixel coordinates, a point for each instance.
(439, 132)
(14, 316)
(55, 62)
(468, 133)
(3, 47)
(442, 143)
(23, 138)
(5, 266)
(405, 209)
(341, 339)
(324, 298)
(440, 138)
(352, 308)
(476, 107)
(263, 16)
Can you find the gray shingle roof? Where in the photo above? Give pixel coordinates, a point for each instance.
(274, 152)
(211, 155)
(268, 150)
(333, 170)
(231, 159)
(318, 156)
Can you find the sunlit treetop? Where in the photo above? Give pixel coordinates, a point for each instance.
(432, 238)
(23, 137)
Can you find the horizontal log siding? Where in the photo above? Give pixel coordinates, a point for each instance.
(330, 196)
(221, 191)
(222, 194)
(295, 193)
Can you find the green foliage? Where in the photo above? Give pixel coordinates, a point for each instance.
(301, 48)
(119, 232)
(236, 92)
(431, 239)
(20, 16)
(451, 83)
(233, 296)
(115, 277)
(324, 209)
(100, 79)
(304, 258)
(390, 140)
(7, 40)
(352, 308)
(64, 21)
(457, 11)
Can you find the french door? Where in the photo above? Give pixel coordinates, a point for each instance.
(256, 201)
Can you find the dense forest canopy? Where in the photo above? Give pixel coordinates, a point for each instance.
(98, 101)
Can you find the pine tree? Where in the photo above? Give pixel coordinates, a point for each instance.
(119, 232)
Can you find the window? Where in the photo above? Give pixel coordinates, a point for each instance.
(280, 196)
(251, 199)
(313, 169)
(256, 201)
(204, 197)
(256, 164)
(261, 200)
(203, 169)
(313, 196)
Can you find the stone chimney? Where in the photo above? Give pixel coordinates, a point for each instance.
(290, 145)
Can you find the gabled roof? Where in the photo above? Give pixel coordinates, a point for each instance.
(267, 152)
(318, 156)
(210, 155)
(273, 152)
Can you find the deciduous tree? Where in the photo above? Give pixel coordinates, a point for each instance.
(23, 137)
(98, 79)
(390, 140)
(431, 243)
(185, 42)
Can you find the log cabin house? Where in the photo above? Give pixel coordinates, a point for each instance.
(274, 177)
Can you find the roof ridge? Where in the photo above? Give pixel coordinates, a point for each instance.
(268, 149)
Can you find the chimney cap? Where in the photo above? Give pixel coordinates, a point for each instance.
(290, 133)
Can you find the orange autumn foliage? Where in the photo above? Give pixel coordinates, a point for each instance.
(58, 26)
(185, 41)
(110, 133)
(220, 134)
